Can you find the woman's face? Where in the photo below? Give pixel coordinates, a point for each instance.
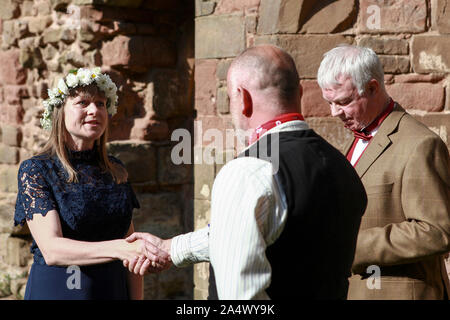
(85, 118)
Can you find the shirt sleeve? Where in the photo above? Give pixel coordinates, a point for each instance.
(34, 193)
(242, 197)
(190, 248)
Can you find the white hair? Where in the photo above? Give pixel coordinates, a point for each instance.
(359, 63)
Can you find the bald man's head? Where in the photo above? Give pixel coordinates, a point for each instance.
(269, 69)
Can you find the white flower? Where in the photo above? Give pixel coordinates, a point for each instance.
(53, 93)
(63, 89)
(102, 81)
(72, 80)
(85, 76)
(55, 101)
(96, 72)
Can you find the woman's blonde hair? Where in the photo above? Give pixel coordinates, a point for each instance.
(56, 144)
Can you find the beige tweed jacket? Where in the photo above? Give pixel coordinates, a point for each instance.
(406, 226)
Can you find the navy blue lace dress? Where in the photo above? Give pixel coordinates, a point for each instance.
(94, 209)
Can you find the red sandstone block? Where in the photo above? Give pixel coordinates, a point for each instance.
(11, 71)
(414, 77)
(205, 86)
(14, 94)
(229, 6)
(313, 104)
(420, 96)
(138, 53)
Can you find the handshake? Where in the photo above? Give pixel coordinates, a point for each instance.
(152, 254)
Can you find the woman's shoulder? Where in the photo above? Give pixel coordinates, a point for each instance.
(38, 162)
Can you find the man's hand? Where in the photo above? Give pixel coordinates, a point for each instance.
(157, 254)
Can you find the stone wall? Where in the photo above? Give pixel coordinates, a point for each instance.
(412, 38)
(147, 47)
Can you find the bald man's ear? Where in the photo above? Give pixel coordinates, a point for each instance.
(247, 103)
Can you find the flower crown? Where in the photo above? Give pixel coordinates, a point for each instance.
(75, 78)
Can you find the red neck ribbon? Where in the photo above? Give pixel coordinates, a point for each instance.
(260, 130)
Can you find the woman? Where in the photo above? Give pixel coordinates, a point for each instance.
(76, 200)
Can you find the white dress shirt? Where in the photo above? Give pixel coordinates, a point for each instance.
(248, 213)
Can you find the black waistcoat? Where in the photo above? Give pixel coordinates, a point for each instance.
(312, 258)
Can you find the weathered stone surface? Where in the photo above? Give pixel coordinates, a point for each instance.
(112, 3)
(13, 30)
(18, 252)
(5, 284)
(205, 128)
(8, 177)
(212, 36)
(170, 173)
(204, 7)
(160, 4)
(203, 181)
(31, 58)
(138, 53)
(205, 86)
(201, 276)
(307, 60)
(280, 16)
(421, 96)
(429, 53)
(39, 24)
(177, 284)
(394, 64)
(223, 102)
(9, 9)
(385, 45)
(414, 77)
(149, 130)
(12, 136)
(165, 100)
(230, 6)
(332, 130)
(222, 69)
(9, 155)
(443, 16)
(438, 123)
(55, 35)
(330, 16)
(160, 214)
(12, 114)
(139, 159)
(15, 93)
(392, 16)
(312, 103)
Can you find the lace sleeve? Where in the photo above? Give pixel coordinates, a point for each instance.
(34, 194)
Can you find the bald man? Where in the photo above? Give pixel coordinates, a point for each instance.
(285, 214)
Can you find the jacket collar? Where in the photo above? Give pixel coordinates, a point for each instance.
(381, 141)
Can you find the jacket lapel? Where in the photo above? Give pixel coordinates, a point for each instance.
(381, 141)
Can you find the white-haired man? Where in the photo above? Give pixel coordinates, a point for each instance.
(404, 167)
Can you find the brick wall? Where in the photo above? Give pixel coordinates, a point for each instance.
(411, 37)
(147, 47)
